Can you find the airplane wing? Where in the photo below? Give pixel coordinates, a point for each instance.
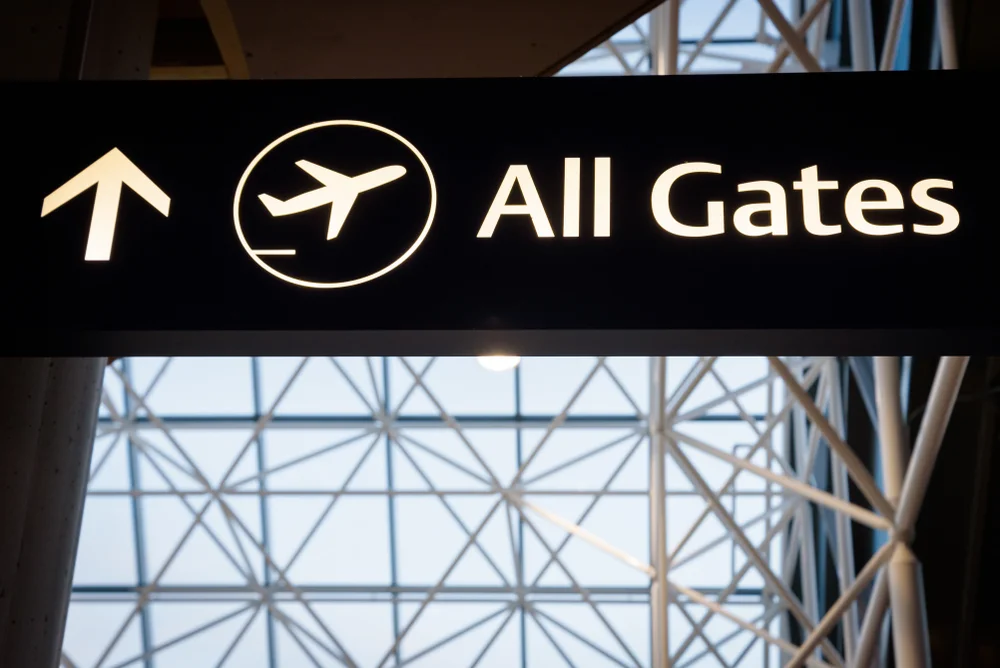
(339, 209)
(322, 174)
(335, 186)
(297, 204)
(338, 190)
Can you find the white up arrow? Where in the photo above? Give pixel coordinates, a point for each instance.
(109, 172)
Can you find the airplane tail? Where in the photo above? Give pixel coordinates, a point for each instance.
(274, 205)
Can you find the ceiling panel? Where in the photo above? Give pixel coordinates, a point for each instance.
(427, 38)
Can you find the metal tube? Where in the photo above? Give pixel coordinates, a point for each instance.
(659, 594)
(909, 629)
(845, 538)
(946, 35)
(894, 450)
(859, 13)
(944, 392)
(871, 628)
(909, 620)
(833, 615)
(790, 36)
(859, 472)
(891, 43)
(664, 37)
(803, 25)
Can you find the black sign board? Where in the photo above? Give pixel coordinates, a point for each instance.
(834, 212)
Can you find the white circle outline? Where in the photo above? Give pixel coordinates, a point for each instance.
(341, 284)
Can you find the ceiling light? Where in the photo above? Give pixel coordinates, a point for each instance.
(499, 362)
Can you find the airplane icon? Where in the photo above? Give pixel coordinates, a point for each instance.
(338, 190)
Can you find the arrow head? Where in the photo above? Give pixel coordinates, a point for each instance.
(108, 173)
(112, 167)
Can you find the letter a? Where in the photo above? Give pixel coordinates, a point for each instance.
(532, 204)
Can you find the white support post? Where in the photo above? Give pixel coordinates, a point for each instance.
(817, 33)
(807, 545)
(871, 628)
(859, 12)
(909, 628)
(891, 43)
(946, 35)
(784, 628)
(944, 392)
(845, 538)
(803, 25)
(659, 594)
(664, 37)
(909, 620)
(792, 38)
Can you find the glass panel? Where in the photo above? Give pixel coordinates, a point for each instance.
(109, 468)
(181, 551)
(548, 384)
(199, 633)
(364, 629)
(441, 458)
(741, 22)
(342, 540)
(618, 520)
(114, 391)
(324, 459)
(581, 459)
(91, 628)
(323, 386)
(194, 385)
(424, 562)
(106, 552)
(442, 620)
(599, 631)
(459, 384)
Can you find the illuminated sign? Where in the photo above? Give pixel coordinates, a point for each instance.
(775, 209)
(338, 193)
(610, 215)
(109, 174)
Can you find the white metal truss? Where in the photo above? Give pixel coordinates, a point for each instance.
(754, 36)
(527, 524)
(771, 598)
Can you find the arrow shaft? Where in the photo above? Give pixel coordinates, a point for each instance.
(102, 221)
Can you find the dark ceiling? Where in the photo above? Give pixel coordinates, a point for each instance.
(390, 38)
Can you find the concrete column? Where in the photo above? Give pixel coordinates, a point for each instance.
(48, 406)
(48, 414)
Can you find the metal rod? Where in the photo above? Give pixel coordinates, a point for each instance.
(871, 628)
(708, 37)
(587, 537)
(891, 43)
(909, 628)
(739, 621)
(946, 35)
(833, 615)
(845, 537)
(790, 36)
(664, 37)
(793, 485)
(659, 595)
(859, 13)
(773, 582)
(800, 29)
(855, 466)
(944, 392)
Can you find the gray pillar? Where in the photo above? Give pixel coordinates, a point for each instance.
(48, 409)
(48, 414)
(48, 406)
